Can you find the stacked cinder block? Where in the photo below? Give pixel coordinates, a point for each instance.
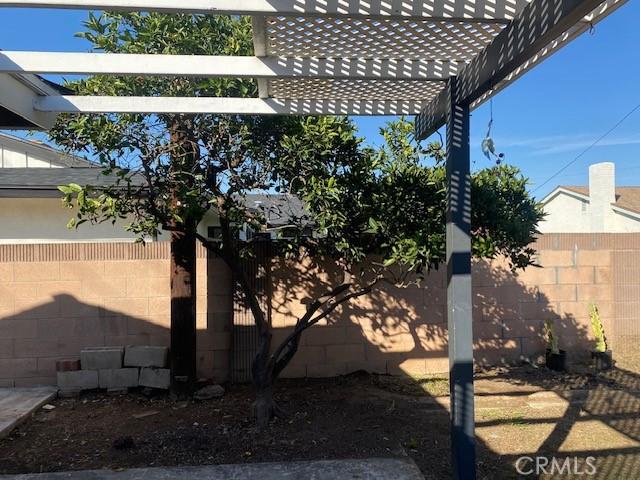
(114, 369)
(152, 362)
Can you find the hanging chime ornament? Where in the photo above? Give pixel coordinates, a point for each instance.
(488, 145)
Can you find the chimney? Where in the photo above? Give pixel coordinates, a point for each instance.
(602, 193)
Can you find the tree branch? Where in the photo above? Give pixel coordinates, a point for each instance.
(280, 357)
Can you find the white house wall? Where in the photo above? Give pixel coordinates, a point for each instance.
(44, 220)
(566, 214)
(16, 154)
(569, 214)
(626, 222)
(15, 159)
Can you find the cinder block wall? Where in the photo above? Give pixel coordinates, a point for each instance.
(56, 299)
(404, 330)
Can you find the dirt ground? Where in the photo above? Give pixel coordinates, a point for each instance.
(355, 416)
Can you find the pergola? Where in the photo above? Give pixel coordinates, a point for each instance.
(436, 59)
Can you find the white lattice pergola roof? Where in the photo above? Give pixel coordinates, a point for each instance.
(379, 57)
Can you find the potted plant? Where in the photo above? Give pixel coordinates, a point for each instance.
(602, 357)
(556, 358)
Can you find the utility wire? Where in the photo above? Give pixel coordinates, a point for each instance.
(602, 137)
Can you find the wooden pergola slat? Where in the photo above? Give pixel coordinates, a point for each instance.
(468, 10)
(232, 106)
(223, 66)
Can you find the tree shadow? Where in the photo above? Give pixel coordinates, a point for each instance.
(402, 331)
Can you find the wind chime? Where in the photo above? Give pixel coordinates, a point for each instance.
(488, 145)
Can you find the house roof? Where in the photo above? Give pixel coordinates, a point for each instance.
(627, 198)
(54, 155)
(279, 209)
(14, 115)
(44, 182)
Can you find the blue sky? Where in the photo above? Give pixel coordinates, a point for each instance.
(541, 122)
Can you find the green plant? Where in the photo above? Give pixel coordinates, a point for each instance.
(597, 328)
(550, 337)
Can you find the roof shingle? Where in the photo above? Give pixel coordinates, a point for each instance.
(627, 198)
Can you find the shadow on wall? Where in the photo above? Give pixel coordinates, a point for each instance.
(392, 330)
(404, 330)
(32, 340)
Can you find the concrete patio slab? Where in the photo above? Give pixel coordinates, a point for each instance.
(364, 469)
(16, 404)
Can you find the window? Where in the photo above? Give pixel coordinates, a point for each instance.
(214, 233)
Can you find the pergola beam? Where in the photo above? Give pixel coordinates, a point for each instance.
(16, 103)
(468, 10)
(540, 23)
(220, 105)
(222, 66)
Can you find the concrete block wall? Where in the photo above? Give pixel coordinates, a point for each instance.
(58, 299)
(404, 330)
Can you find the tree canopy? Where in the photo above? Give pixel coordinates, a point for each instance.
(378, 212)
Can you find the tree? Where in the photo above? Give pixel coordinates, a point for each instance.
(380, 215)
(377, 212)
(171, 169)
(162, 161)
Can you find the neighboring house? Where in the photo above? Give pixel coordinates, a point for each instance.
(17, 152)
(31, 209)
(600, 207)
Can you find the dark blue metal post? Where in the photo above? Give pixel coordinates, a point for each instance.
(459, 299)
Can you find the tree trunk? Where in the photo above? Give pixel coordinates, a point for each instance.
(265, 407)
(183, 311)
(183, 266)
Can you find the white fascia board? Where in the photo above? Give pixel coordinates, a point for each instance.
(222, 66)
(468, 10)
(220, 105)
(18, 93)
(558, 190)
(624, 211)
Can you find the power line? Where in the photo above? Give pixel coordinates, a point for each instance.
(602, 137)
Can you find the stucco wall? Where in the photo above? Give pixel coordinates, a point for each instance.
(570, 214)
(44, 220)
(626, 222)
(566, 213)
